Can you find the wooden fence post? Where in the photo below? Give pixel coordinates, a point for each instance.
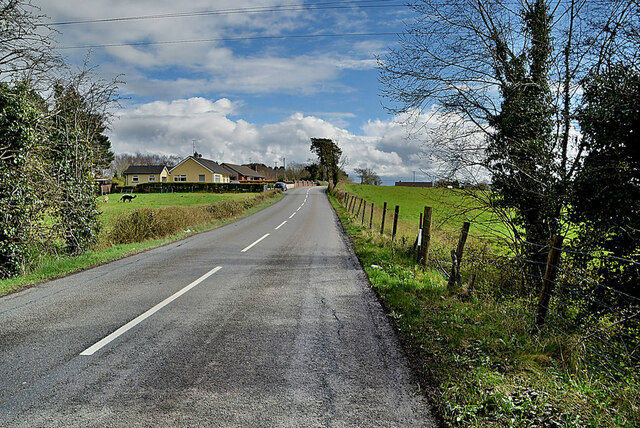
(547, 283)
(468, 292)
(371, 217)
(416, 246)
(384, 213)
(426, 236)
(456, 257)
(470, 284)
(359, 206)
(364, 210)
(395, 223)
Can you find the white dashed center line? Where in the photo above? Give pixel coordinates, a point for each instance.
(128, 326)
(281, 224)
(291, 216)
(250, 246)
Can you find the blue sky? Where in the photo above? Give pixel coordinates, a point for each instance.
(258, 100)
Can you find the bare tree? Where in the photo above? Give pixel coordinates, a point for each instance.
(368, 176)
(296, 171)
(493, 86)
(122, 161)
(26, 42)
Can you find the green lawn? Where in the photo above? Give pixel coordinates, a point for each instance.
(157, 200)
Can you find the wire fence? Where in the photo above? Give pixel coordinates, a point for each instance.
(563, 292)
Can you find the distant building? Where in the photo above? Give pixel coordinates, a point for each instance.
(243, 173)
(137, 174)
(414, 183)
(195, 169)
(192, 169)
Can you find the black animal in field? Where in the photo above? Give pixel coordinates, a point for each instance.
(126, 198)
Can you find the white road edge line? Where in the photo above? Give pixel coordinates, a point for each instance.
(249, 247)
(281, 224)
(128, 326)
(291, 216)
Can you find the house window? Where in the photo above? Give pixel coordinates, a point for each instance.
(217, 178)
(152, 178)
(201, 177)
(180, 178)
(164, 178)
(134, 179)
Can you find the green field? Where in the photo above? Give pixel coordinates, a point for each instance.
(113, 207)
(450, 209)
(445, 202)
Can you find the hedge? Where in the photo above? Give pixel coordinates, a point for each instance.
(181, 187)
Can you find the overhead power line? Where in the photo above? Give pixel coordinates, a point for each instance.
(264, 9)
(230, 39)
(276, 8)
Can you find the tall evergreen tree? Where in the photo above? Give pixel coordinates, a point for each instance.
(329, 155)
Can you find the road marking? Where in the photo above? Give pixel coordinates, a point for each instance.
(291, 216)
(281, 224)
(299, 208)
(128, 326)
(249, 247)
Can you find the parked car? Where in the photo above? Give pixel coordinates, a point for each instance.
(281, 185)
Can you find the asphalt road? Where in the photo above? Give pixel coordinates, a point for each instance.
(219, 329)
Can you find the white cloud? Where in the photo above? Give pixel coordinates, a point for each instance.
(170, 127)
(153, 70)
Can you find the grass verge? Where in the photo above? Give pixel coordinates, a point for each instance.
(487, 370)
(56, 267)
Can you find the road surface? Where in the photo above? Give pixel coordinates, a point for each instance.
(268, 321)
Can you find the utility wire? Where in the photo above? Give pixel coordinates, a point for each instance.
(265, 9)
(230, 39)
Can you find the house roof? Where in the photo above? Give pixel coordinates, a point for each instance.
(212, 166)
(145, 169)
(242, 170)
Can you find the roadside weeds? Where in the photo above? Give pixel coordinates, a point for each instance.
(474, 357)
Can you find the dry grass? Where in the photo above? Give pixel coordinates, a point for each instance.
(142, 224)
